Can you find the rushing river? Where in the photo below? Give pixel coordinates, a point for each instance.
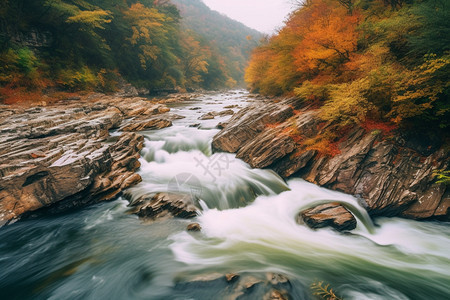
(248, 227)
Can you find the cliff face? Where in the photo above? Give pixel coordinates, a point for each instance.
(388, 177)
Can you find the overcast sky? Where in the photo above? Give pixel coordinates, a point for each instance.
(263, 15)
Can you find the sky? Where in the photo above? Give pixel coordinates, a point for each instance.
(263, 15)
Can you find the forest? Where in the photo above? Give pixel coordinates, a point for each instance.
(96, 45)
(365, 62)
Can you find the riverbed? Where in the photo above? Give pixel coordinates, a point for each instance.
(249, 228)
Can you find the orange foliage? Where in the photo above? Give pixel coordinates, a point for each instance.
(371, 125)
(328, 34)
(323, 146)
(10, 95)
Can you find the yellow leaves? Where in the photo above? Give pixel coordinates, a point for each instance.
(347, 103)
(416, 90)
(83, 79)
(94, 18)
(311, 91)
(148, 31)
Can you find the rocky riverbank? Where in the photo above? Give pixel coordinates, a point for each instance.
(63, 155)
(390, 176)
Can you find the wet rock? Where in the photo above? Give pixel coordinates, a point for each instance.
(222, 125)
(227, 112)
(207, 116)
(231, 277)
(389, 178)
(164, 205)
(60, 156)
(195, 108)
(151, 124)
(276, 295)
(213, 114)
(328, 215)
(194, 227)
(248, 123)
(259, 153)
(239, 286)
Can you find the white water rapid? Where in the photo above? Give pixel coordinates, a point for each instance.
(248, 220)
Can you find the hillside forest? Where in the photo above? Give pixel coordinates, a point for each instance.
(96, 45)
(376, 63)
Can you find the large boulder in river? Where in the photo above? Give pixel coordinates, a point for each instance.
(62, 155)
(389, 175)
(328, 215)
(164, 205)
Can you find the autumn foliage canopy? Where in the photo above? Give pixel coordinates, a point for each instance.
(362, 61)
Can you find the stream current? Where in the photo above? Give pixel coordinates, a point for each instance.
(248, 220)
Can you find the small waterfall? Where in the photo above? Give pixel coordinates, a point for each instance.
(175, 162)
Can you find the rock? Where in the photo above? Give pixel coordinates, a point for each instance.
(164, 205)
(213, 114)
(151, 124)
(231, 277)
(276, 295)
(260, 154)
(227, 112)
(207, 116)
(195, 108)
(143, 92)
(60, 156)
(128, 91)
(231, 106)
(222, 125)
(248, 123)
(389, 178)
(194, 227)
(332, 214)
(239, 286)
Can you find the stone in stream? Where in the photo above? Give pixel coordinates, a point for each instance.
(276, 295)
(222, 125)
(241, 286)
(213, 114)
(194, 227)
(207, 116)
(330, 214)
(163, 206)
(231, 277)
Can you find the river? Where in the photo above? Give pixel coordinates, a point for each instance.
(248, 228)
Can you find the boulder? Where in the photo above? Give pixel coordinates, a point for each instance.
(207, 116)
(164, 205)
(194, 227)
(328, 215)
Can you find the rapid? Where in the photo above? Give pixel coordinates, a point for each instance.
(249, 227)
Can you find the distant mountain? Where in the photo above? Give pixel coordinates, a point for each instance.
(233, 40)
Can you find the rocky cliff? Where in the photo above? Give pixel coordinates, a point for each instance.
(63, 155)
(389, 177)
